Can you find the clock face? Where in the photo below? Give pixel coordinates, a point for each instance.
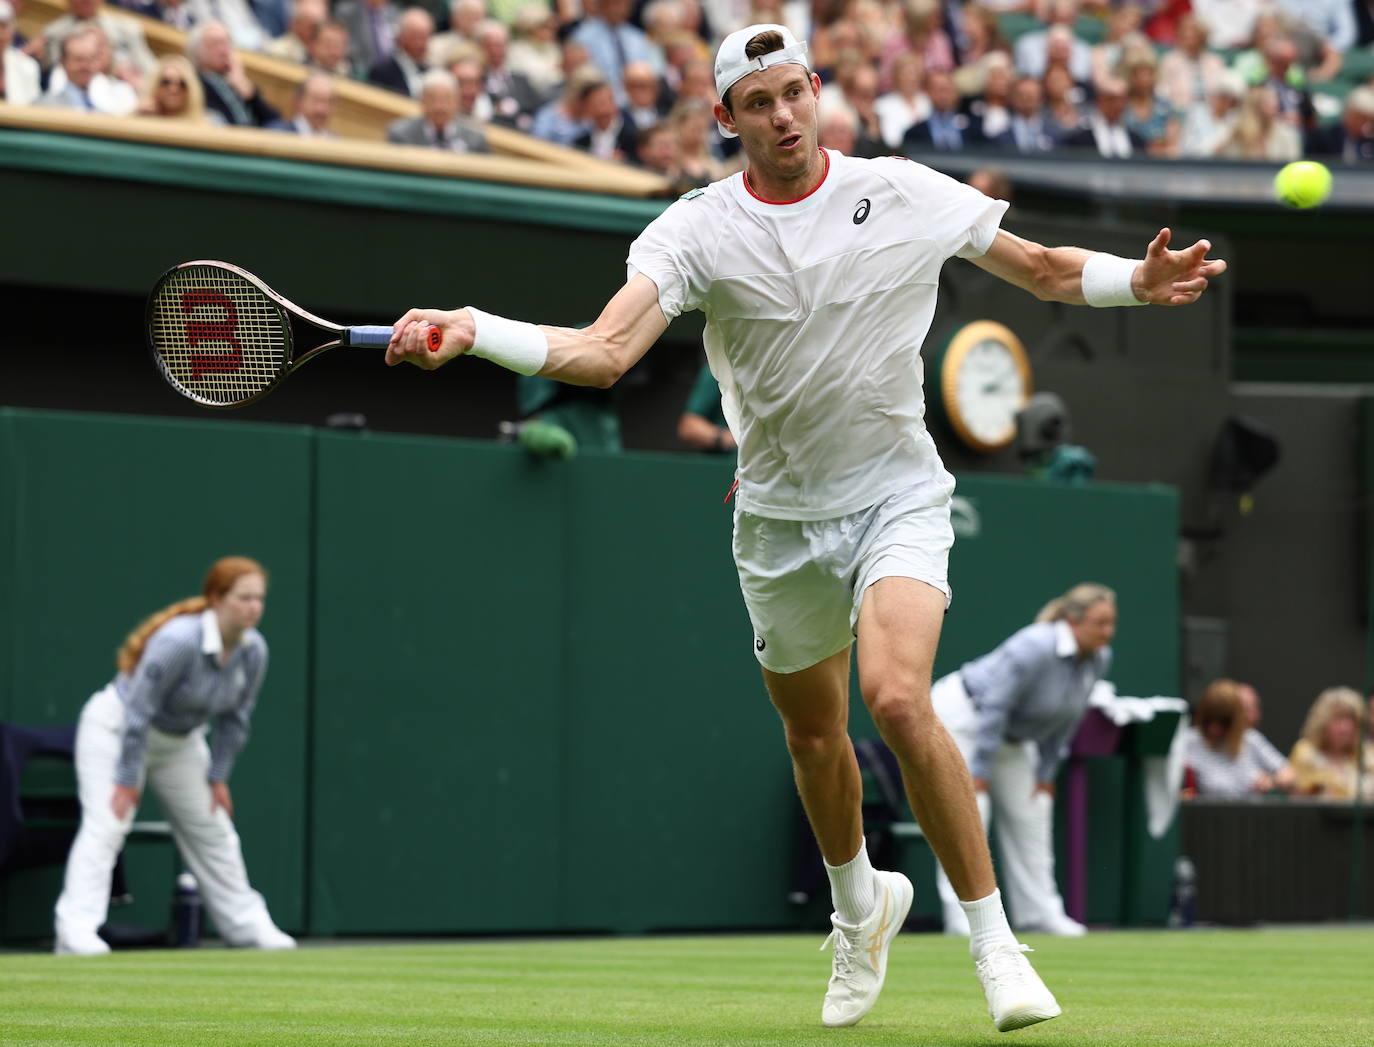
(985, 380)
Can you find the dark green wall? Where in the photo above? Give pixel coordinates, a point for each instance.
(505, 695)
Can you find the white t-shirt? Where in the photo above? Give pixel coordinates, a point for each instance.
(815, 314)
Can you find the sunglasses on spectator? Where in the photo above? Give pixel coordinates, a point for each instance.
(1220, 721)
(169, 81)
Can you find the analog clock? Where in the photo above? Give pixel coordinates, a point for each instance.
(985, 378)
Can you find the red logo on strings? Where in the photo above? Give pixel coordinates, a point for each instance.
(198, 331)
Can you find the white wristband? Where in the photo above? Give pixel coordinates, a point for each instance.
(1107, 280)
(513, 344)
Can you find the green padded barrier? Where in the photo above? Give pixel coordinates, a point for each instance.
(439, 635)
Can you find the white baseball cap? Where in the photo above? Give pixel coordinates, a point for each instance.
(732, 66)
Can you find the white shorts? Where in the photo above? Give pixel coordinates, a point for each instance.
(804, 580)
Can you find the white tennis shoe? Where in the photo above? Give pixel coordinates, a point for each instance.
(1016, 995)
(859, 963)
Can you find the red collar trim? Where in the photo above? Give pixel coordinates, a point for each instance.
(783, 203)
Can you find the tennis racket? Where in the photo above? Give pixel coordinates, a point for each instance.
(223, 338)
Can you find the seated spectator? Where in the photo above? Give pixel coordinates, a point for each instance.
(1064, 116)
(464, 16)
(372, 27)
(534, 51)
(124, 35)
(612, 42)
(563, 121)
(1028, 131)
(906, 104)
(1106, 131)
(1285, 76)
(513, 97)
(228, 91)
(946, 129)
(697, 81)
(982, 39)
(991, 107)
(1260, 132)
(838, 129)
(473, 102)
(174, 92)
(1226, 759)
(21, 77)
(237, 16)
(1147, 114)
(856, 89)
(1036, 51)
(1188, 73)
(179, 14)
(1229, 23)
(924, 33)
(695, 123)
(656, 151)
(609, 133)
(110, 91)
(294, 44)
(1325, 759)
(79, 85)
(314, 107)
(648, 100)
(1352, 140)
(1123, 36)
(404, 68)
(328, 51)
(992, 182)
(440, 126)
(1208, 127)
(1330, 20)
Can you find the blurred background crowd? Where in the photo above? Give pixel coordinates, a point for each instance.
(631, 80)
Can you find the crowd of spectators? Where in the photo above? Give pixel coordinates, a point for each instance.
(631, 80)
(1227, 756)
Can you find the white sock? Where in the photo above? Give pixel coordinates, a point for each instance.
(988, 927)
(853, 888)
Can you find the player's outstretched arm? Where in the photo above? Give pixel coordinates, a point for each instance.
(1079, 277)
(596, 355)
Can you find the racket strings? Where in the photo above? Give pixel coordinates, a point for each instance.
(217, 337)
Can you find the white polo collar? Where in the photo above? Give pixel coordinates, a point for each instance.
(210, 640)
(1065, 644)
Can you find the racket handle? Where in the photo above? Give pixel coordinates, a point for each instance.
(378, 337)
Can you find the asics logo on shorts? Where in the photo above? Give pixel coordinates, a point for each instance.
(861, 212)
(759, 645)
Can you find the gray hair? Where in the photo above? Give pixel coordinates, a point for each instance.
(438, 78)
(1074, 604)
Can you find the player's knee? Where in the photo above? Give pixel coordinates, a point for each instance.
(901, 712)
(809, 743)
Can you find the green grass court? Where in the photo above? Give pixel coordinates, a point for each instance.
(1271, 988)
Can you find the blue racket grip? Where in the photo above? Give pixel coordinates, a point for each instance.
(378, 337)
(367, 337)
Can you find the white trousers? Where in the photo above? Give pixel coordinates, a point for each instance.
(176, 769)
(1022, 817)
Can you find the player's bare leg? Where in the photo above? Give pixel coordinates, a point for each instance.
(899, 629)
(870, 906)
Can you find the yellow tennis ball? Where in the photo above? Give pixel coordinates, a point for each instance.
(1303, 184)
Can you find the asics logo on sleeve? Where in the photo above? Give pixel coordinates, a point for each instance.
(861, 212)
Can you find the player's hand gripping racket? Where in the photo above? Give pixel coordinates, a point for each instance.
(223, 338)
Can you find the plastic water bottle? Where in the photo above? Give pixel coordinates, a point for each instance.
(1184, 904)
(186, 912)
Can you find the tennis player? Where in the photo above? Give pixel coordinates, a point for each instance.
(817, 273)
(200, 661)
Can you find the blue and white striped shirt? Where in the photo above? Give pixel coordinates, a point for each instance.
(1032, 688)
(179, 684)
